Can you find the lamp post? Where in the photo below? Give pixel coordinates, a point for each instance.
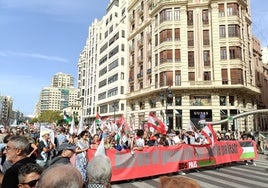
(168, 96)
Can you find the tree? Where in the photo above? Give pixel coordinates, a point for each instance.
(50, 116)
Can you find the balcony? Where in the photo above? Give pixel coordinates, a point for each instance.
(200, 83)
(140, 75)
(140, 59)
(131, 48)
(131, 18)
(131, 63)
(131, 79)
(140, 10)
(140, 42)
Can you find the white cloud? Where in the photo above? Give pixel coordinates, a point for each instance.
(33, 55)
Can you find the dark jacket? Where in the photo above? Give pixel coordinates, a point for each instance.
(10, 179)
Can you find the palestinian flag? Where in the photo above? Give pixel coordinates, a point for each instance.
(66, 117)
(248, 150)
(98, 119)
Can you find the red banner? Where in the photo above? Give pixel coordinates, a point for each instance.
(158, 160)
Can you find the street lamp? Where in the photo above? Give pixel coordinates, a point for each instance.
(166, 94)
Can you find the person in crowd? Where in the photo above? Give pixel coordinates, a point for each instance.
(61, 136)
(28, 175)
(163, 141)
(16, 152)
(81, 154)
(65, 152)
(250, 137)
(177, 138)
(60, 176)
(72, 138)
(107, 142)
(95, 141)
(99, 172)
(44, 148)
(150, 140)
(32, 149)
(138, 143)
(178, 182)
(4, 163)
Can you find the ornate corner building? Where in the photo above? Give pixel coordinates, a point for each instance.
(186, 60)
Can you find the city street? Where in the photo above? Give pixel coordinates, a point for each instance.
(237, 175)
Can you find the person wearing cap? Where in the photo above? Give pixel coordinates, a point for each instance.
(44, 148)
(65, 152)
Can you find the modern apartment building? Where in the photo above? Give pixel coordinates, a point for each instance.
(62, 80)
(6, 105)
(103, 65)
(185, 60)
(60, 95)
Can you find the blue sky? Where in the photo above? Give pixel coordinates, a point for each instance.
(39, 38)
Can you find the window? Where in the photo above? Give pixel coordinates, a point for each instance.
(165, 35)
(165, 56)
(222, 100)
(190, 20)
(231, 100)
(205, 17)
(235, 52)
(191, 76)
(206, 57)
(177, 14)
(178, 78)
(152, 103)
(166, 78)
(233, 30)
(178, 100)
(177, 55)
(232, 9)
(236, 76)
(165, 15)
(222, 31)
(224, 76)
(190, 38)
(207, 75)
(223, 53)
(113, 78)
(177, 34)
(206, 37)
(221, 10)
(191, 59)
(111, 29)
(113, 65)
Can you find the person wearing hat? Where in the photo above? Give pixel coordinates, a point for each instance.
(65, 152)
(44, 148)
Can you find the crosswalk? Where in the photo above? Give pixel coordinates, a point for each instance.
(235, 175)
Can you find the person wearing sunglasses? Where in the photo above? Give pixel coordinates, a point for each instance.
(29, 175)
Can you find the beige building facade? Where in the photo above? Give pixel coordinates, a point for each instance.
(60, 95)
(185, 60)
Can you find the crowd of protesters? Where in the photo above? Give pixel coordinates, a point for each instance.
(70, 149)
